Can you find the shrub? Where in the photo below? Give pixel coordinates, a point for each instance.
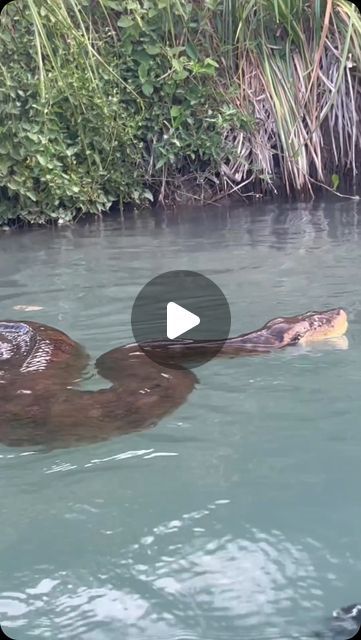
(109, 101)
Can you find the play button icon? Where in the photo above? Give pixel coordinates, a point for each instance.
(181, 319)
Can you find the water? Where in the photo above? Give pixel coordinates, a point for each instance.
(239, 515)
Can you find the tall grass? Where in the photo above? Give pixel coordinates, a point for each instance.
(125, 100)
(298, 68)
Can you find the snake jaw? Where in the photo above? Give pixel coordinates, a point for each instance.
(326, 325)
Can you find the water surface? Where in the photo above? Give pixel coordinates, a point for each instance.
(239, 515)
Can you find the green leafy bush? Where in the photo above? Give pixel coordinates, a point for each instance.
(67, 142)
(105, 101)
(101, 108)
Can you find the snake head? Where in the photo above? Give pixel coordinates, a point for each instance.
(312, 326)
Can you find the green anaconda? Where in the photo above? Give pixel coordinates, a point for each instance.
(39, 366)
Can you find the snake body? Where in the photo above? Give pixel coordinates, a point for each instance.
(40, 367)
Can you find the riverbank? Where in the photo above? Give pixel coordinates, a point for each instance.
(175, 102)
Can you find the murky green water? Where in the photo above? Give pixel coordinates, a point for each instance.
(238, 516)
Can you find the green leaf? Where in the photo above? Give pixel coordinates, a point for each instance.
(153, 49)
(211, 63)
(191, 51)
(142, 56)
(125, 21)
(13, 184)
(174, 51)
(335, 180)
(176, 64)
(175, 111)
(31, 195)
(33, 136)
(161, 162)
(42, 160)
(147, 194)
(147, 88)
(5, 163)
(112, 4)
(143, 72)
(181, 75)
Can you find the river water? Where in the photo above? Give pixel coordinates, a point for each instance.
(239, 515)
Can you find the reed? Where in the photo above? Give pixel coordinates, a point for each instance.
(298, 70)
(158, 101)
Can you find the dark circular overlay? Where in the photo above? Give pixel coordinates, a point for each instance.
(194, 294)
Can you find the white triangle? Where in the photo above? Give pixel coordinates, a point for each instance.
(179, 320)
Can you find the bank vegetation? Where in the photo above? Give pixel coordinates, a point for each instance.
(108, 102)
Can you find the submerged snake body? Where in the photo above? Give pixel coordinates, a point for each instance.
(40, 367)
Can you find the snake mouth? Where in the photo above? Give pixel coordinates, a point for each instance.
(323, 325)
(305, 328)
